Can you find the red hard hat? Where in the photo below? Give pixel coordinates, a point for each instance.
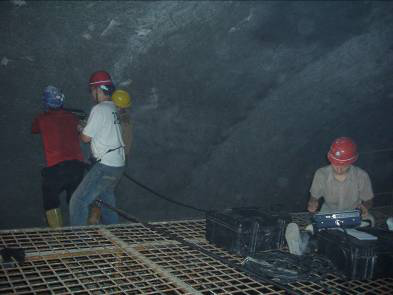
(343, 151)
(100, 78)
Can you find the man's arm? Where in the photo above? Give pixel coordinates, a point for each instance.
(364, 206)
(368, 204)
(94, 123)
(313, 204)
(317, 190)
(366, 193)
(85, 138)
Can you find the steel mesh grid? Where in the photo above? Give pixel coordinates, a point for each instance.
(381, 286)
(301, 287)
(219, 251)
(330, 282)
(42, 240)
(203, 273)
(98, 272)
(323, 286)
(187, 229)
(135, 233)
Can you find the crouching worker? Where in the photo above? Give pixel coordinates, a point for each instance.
(342, 186)
(103, 133)
(122, 100)
(64, 160)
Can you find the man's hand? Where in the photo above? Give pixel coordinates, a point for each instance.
(363, 210)
(364, 207)
(313, 204)
(85, 138)
(82, 124)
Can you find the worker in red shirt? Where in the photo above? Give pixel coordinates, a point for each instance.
(64, 160)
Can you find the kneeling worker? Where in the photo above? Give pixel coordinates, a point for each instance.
(342, 186)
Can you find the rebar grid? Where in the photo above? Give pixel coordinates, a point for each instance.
(204, 273)
(219, 251)
(136, 233)
(187, 229)
(300, 287)
(43, 240)
(100, 272)
(382, 286)
(91, 260)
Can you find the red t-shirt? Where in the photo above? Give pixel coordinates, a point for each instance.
(59, 136)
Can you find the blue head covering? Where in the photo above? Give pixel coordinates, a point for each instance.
(52, 97)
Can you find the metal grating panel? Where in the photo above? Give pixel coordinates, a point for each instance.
(133, 259)
(42, 240)
(187, 229)
(105, 272)
(219, 251)
(135, 233)
(204, 273)
(383, 286)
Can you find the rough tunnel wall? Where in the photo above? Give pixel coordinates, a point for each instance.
(235, 103)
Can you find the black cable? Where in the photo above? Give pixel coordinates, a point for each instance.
(162, 196)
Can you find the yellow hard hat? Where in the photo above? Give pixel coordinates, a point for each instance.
(121, 98)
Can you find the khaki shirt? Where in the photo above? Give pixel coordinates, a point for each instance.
(345, 195)
(126, 131)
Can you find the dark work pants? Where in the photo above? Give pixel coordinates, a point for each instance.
(64, 176)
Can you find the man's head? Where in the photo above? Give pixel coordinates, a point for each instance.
(342, 154)
(101, 86)
(52, 98)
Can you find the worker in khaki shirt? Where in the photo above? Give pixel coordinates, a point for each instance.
(342, 186)
(122, 100)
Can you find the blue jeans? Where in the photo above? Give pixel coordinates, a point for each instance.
(99, 182)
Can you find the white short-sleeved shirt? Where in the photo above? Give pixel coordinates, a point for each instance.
(103, 126)
(345, 195)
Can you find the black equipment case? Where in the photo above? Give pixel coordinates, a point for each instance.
(384, 250)
(343, 219)
(244, 231)
(357, 259)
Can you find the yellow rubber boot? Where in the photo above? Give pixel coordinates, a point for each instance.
(95, 215)
(55, 218)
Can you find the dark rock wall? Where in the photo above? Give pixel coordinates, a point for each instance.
(234, 103)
